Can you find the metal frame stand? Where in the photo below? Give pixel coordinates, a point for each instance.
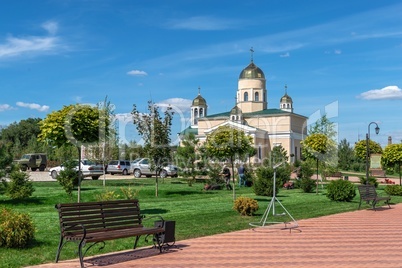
(264, 220)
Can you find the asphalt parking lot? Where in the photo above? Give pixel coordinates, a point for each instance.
(44, 176)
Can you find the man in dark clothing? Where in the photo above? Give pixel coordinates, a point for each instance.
(226, 175)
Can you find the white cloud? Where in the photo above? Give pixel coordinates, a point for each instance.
(51, 27)
(33, 106)
(5, 107)
(179, 105)
(17, 46)
(137, 73)
(285, 55)
(386, 93)
(338, 51)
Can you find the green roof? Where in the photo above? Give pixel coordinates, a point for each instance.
(188, 131)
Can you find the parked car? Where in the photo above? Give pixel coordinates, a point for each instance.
(143, 167)
(33, 161)
(88, 169)
(119, 167)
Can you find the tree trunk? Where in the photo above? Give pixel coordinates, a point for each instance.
(316, 186)
(79, 174)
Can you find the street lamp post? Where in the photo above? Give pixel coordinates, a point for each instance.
(377, 130)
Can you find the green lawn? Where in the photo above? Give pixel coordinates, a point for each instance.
(196, 212)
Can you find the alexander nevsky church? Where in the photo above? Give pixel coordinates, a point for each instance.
(268, 127)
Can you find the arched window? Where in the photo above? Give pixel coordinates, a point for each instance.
(245, 96)
(256, 96)
(201, 112)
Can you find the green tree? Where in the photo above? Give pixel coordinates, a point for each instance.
(392, 156)
(20, 138)
(360, 149)
(278, 155)
(155, 131)
(228, 143)
(79, 125)
(346, 156)
(324, 126)
(19, 186)
(320, 148)
(187, 152)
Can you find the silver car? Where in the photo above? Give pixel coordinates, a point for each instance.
(119, 167)
(143, 167)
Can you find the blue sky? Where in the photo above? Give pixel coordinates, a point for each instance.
(341, 58)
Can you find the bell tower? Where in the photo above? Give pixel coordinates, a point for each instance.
(198, 109)
(251, 92)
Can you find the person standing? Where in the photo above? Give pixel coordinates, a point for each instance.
(242, 176)
(226, 175)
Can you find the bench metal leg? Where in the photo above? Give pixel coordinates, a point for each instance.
(80, 255)
(61, 244)
(136, 241)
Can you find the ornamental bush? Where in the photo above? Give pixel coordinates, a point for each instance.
(246, 206)
(341, 190)
(263, 183)
(393, 189)
(372, 181)
(16, 229)
(306, 184)
(19, 186)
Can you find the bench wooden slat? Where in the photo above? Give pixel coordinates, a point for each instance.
(92, 222)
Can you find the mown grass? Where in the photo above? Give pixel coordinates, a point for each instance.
(196, 212)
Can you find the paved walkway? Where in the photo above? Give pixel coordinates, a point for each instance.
(364, 238)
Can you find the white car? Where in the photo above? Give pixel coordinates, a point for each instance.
(88, 169)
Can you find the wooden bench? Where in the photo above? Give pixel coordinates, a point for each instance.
(369, 194)
(96, 222)
(337, 174)
(378, 173)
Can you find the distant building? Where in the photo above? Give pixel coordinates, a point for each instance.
(267, 127)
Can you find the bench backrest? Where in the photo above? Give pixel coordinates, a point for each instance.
(98, 216)
(367, 192)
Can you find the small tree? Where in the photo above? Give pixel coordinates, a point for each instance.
(227, 143)
(392, 156)
(360, 149)
(75, 124)
(187, 152)
(19, 186)
(346, 156)
(318, 147)
(155, 132)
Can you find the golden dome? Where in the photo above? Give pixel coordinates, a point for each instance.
(252, 72)
(199, 101)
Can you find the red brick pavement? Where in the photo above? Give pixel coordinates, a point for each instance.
(364, 238)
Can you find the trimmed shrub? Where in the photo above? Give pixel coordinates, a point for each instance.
(246, 206)
(16, 229)
(306, 184)
(68, 177)
(19, 186)
(393, 190)
(372, 181)
(341, 190)
(263, 184)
